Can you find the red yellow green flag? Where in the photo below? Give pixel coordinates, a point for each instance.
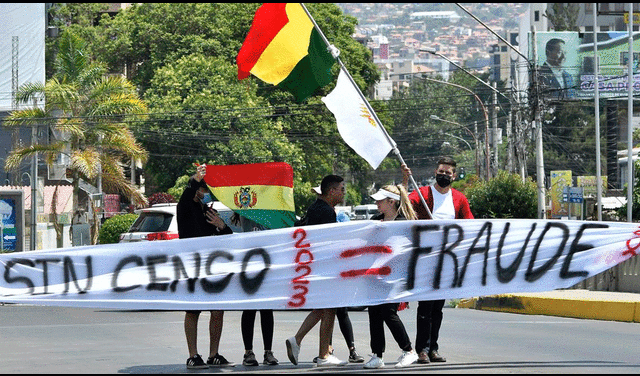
(284, 49)
(262, 192)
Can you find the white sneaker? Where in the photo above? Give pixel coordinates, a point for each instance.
(374, 362)
(293, 350)
(331, 360)
(407, 358)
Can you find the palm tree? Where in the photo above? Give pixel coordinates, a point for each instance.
(90, 111)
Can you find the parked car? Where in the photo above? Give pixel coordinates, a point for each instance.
(365, 211)
(159, 222)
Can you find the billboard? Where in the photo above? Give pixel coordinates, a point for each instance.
(559, 180)
(11, 221)
(566, 64)
(22, 45)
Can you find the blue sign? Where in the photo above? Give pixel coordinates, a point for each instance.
(573, 195)
(8, 228)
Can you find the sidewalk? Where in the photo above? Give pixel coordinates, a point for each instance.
(584, 304)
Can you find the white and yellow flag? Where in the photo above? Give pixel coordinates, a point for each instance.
(356, 124)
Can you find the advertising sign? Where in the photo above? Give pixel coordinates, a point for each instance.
(559, 180)
(12, 220)
(566, 64)
(589, 185)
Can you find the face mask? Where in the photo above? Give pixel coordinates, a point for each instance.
(206, 198)
(443, 180)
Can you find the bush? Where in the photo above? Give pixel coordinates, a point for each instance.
(504, 196)
(112, 228)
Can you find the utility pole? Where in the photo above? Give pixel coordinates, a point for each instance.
(34, 184)
(494, 139)
(596, 97)
(540, 176)
(630, 121)
(15, 134)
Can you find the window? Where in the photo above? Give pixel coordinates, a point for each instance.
(536, 16)
(503, 49)
(588, 7)
(619, 7)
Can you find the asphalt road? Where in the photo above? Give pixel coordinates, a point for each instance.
(73, 340)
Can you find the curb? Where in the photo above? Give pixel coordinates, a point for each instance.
(574, 307)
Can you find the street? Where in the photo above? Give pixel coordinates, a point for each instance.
(73, 340)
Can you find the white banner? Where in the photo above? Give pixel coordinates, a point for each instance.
(354, 263)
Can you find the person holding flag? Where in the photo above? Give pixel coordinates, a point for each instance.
(261, 196)
(443, 202)
(195, 218)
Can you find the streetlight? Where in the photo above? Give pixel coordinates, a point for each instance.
(475, 139)
(486, 122)
(536, 107)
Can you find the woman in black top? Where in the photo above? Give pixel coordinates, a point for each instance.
(393, 204)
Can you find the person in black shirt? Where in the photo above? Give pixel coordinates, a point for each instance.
(320, 212)
(195, 218)
(394, 205)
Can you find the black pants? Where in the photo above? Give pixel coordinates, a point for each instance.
(345, 326)
(386, 313)
(428, 321)
(247, 323)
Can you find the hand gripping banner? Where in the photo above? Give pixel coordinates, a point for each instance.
(356, 263)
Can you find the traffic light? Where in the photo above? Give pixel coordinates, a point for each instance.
(461, 174)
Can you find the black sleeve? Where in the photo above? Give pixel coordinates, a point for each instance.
(225, 231)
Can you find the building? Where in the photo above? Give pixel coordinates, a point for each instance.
(450, 15)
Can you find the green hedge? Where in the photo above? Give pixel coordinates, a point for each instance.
(112, 228)
(504, 196)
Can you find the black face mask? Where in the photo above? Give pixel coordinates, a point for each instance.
(443, 180)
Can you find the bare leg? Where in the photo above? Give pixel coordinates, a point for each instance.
(191, 331)
(326, 331)
(309, 322)
(215, 331)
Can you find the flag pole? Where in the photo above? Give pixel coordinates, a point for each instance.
(335, 53)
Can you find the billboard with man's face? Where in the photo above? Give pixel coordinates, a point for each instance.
(566, 64)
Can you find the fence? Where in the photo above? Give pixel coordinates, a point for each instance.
(624, 277)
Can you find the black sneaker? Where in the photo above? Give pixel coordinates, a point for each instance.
(219, 361)
(354, 357)
(196, 362)
(249, 359)
(269, 359)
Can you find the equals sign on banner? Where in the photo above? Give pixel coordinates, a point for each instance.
(375, 249)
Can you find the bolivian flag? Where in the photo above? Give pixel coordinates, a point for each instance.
(284, 49)
(262, 192)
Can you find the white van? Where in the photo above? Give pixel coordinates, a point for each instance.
(365, 211)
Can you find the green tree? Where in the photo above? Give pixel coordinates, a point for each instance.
(211, 127)
(89, 111)
(504, 196)
(564, 16)
(153, 42)
(420, 139)
(569, 136)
